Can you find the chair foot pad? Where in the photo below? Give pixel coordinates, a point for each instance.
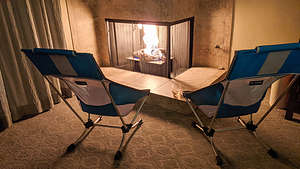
(118, 155)
(272, 153)
(71, 148)
(219, 161)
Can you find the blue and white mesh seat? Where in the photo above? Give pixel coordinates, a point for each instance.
(251, 73)
(96, 94)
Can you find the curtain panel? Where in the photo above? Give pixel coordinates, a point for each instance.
(27, 24)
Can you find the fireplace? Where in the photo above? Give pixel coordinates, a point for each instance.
(157, 48)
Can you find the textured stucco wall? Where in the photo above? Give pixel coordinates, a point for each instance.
(264, 22)
(213, 21)
(82, 27)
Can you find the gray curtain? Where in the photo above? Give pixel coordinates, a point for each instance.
(26, 24)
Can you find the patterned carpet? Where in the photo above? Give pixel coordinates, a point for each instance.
(166, 140)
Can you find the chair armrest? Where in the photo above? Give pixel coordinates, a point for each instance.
(126, 95)
(206, 96)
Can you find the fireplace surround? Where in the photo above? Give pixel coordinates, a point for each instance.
(157, 48)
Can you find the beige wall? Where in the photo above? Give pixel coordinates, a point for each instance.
(263, 22)
(83, 27)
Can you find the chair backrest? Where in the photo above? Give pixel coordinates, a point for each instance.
(64, 63)
(269, 60)
(80, 72)
(253, 72)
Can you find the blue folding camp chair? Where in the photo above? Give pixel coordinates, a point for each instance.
(96, 94)
(251, 73)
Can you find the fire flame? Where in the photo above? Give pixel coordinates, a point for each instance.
(151, 40)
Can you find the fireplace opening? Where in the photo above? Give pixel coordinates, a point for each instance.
(156, 48)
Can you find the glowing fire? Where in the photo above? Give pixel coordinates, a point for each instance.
(151, 52)
(151, 41)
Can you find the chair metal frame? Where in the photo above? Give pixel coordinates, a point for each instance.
(208, 130)
(90, 124)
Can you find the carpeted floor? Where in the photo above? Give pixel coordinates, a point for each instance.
(166, 140)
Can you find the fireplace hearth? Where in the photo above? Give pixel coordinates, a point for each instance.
(157, 48)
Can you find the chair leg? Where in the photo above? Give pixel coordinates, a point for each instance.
(83, 135)
(269, 149)
(136, 126)
(219, 160)
(118, 155)
(252, 129)
(209, 138)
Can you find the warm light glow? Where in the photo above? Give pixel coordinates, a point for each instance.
(151, 40)
(140, 26)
